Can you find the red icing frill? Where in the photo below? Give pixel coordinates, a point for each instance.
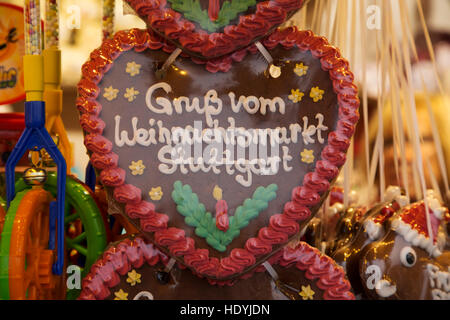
(305, 197)
(130, 254)
(164, 20)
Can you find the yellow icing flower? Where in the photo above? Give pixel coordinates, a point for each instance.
(133, 68)
(121, 295)
(133, 278)
(217, 193)
(307, 293)
(131, 94)
(156, 194)
(316, 94)
(296, 95)
(300, 69)
(110, 93)
(137, 168)
(307, 156)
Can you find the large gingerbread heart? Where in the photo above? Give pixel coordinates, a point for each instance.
(211, 28)
(224, 208)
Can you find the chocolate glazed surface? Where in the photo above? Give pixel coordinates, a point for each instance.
(188, 79)
(412, 283)
(244, 72)
(183, 285)
(350, 255)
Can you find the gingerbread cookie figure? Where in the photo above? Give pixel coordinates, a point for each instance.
(408, 263)
(371, 228)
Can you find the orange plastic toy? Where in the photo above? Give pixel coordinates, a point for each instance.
(30, 261)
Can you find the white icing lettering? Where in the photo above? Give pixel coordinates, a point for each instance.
(243, 151)
(162, 102)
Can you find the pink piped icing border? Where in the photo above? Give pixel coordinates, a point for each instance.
(161, 18)
(304, 197)
(130, 254)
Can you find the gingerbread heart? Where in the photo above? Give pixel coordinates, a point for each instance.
(134, 270)
(218, 169)
(212, 28)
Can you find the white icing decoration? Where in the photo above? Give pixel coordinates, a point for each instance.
(258, 104)
(417, 239)
(229, 135)
(211, 96)
(122, 139)
(434, 204)
(402, 201)
(165, 162)
(198, 149)
(394, 193)
(391, 192)
(320, 127)
(286, 159)
(439, 280)
(374, 277)
(385, 289)
(374, 230)
(251, 104)
(141, 294)
(163, 102)
(440, 295)
(308, 131)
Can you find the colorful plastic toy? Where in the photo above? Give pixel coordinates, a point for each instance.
(38, 230)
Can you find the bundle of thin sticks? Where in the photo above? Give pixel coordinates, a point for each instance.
(352, 25)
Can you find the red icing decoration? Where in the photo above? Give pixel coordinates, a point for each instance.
(142, 209)
(415, 216)
(127, 193)
(295, 211)
(169, 236)
(282, 223)
(183, 247)
(97, 143)
(112, 177)
(88, 106)
(155, 222)
(222, 221)
(196, 258)
(304, 197)
(103, 161)
(257, 247)
(385, 214)
(104, 274)
(213, 9)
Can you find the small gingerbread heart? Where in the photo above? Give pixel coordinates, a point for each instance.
(136, 270)
(213, 28)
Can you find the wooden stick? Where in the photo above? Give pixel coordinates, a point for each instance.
(413, 116)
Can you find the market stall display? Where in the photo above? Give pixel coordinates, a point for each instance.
(252, 150)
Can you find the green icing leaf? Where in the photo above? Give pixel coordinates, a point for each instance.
(192, 11)
(196, 216)
(201, 232)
